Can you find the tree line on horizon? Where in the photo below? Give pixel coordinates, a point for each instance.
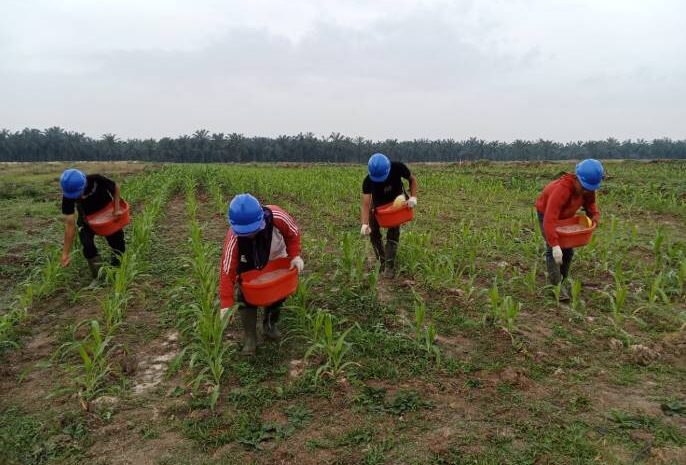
(57, 144)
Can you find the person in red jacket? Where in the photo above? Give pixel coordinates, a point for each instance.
(258, 234)
(559, 200)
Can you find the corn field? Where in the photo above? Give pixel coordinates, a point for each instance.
(467, 356)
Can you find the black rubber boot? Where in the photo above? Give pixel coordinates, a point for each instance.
(555, 277)
(391, 251)
(271, 317)
(249, 323)
(94, 265)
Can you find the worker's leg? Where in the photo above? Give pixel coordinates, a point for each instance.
(567, 256)
(554, 270)
(392, 240)
(377, 240)
(271, 317)
(248, 315)
(90, 252)
(118, 246)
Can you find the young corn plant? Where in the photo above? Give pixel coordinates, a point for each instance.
(495, 301)
(207, 349)
(95, 347)
(334, 347)
(42, 283)
(351, 264)
(425, 335)
(577, 304)
(507, 315)
(530, 280)
(656, 290)
(93, 350)
(617, 300)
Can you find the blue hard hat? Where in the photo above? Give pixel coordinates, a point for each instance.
(73, 182)
(590, 172)
(379, 167)
(245, 215)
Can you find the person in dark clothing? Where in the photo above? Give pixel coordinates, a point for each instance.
(84, 195)
(561, 199)
(380, 187)
(258, 235)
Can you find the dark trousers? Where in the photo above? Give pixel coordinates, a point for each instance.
(567, 255)
(271, 313)
(115, 241)
(392, 236)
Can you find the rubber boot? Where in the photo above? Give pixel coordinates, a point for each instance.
(555, 277)
(391, 250)
(270, 330)
(249, 323)
(94, 265)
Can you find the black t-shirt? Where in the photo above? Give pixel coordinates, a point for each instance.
(98, 193)
(386, 191)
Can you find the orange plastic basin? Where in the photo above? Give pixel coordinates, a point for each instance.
(103, 222)
(389, 217)
(273, 283)
(574, 231)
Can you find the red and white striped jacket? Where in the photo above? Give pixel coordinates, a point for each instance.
(285, 242)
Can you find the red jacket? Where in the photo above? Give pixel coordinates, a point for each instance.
(285, 242)
(560, 200)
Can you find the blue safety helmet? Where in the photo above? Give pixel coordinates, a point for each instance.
(590, 172)
(245, 215)
(379, 167)
(73, 182)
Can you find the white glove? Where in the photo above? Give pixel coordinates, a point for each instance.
(557, 254)
(298, 263)
(411, 202)
(223, 311)
(366, 230)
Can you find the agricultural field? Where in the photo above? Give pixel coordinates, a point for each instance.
(466, 357)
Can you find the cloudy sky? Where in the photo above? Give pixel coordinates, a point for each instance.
(495, 69)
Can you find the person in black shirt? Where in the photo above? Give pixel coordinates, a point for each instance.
(381, 186)
(86, 195)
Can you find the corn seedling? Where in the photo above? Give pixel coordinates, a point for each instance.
(617, 300)
(656, 290)
(577, 304)
(93, 351)
(530, 280)
(424, 335)
(351, 264)
(207, 350)
(495, 301)
(334, 348)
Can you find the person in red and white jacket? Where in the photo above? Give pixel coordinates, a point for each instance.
(258, 234)
(561, 199)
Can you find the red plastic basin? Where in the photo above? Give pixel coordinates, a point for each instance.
(389, 216)
(574, 232)
(273, 283)
(103, 222)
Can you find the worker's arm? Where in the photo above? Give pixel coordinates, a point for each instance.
(289, 230)
(69, 233)
(413, 185)
(551, 216)
(591, 207)
(366, 206)
(228, 271)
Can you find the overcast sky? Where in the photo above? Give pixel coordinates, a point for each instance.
(494, 69)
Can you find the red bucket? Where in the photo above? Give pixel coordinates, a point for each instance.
(389, 216)
(103, 222)
(574, 232)
(273, 283)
